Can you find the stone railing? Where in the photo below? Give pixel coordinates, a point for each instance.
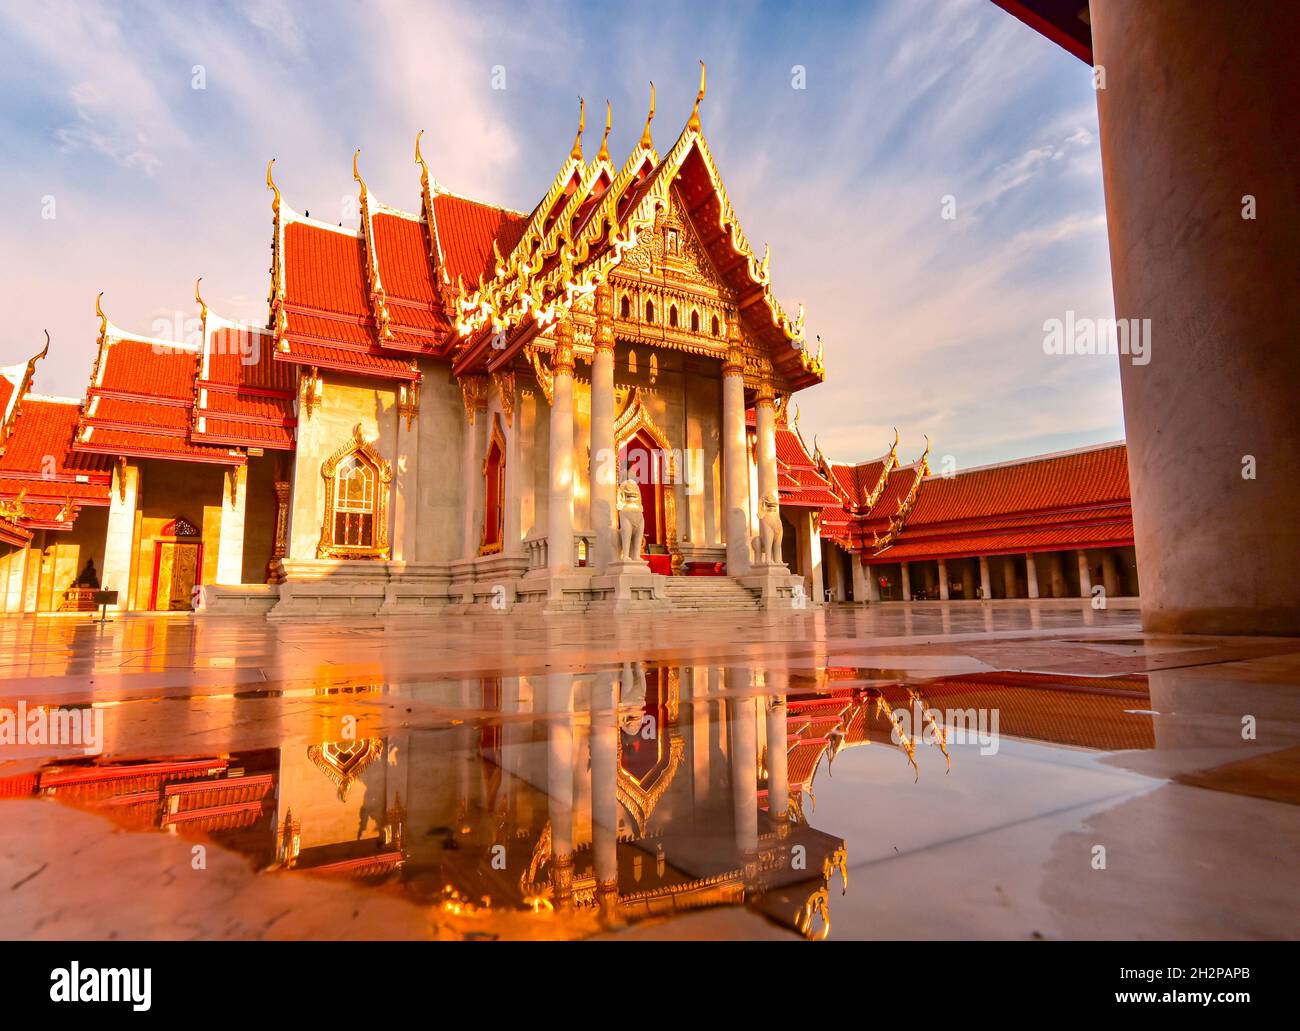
(535, 547)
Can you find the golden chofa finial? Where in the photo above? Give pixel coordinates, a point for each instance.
(694, 123)
(356, 173)
(419, 160)
(103, 319)
(603, 153)
(576, 152)
(46, 349)
(203, 308)
(270, 185)
(647, 141)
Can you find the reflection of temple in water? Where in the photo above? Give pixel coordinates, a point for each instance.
(617, 796)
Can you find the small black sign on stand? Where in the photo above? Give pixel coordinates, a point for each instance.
(104, 599)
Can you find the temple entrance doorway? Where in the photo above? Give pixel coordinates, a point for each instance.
(177, 565)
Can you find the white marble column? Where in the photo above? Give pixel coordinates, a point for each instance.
(765, 424)
(559, 519)
(16, 573)
(604, 783)
(1010, 583)
(604, 458)
(559, 783)
(406, 480)
(812, 543)
(1085, 575)
(907, 581)
(943, 580)
(735, 471)
(872, 579)
(1031, 572)
(744, 766)
(986, 578)
(119, 541)
(861, 581)
(474, 394)
(778, 779)
(230, 544)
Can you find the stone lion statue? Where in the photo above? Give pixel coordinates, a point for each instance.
(631, 521)
(769, 530)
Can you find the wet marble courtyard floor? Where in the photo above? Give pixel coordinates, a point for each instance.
(932, 770)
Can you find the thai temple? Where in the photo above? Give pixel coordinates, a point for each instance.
(461, 407)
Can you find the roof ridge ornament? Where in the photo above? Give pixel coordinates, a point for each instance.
(203, 307)
(46, 349)
(603, 153)
(270, 185)
(647, 141)
(103, 319)
(356, 174)
(576, 152)
(694, 123)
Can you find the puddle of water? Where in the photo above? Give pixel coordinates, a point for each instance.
(589, 801)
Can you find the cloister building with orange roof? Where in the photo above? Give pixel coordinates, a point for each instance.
(463, 407)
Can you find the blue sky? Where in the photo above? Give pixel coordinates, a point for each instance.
(931, 325)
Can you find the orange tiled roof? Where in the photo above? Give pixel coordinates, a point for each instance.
(41, 429)
(1045, 503)
(243, 396)
(466, 232)
(140, 402)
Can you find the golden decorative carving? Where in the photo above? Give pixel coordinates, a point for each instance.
(378, 299)
(408, 402)
(344, 762)
(543, 373)
(311, 391)
(562, 356)
(505, 383)
(603, 336)
(647, 141)
(473, 392)
(639, 801)
(327, 548)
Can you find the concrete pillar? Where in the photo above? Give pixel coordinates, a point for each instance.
(17, 575)
(1198, 100)
(1056, 565)
(943, 580)
(604, 458)
(1010, 584)
(119, 541)
(1110, 574)
(230, 544)
(907, 582)
(735, 472)
(1031, 573)
(474, 394)
(406, 485)
(559, 519)
(986, 579)
(967, 579)
(870, 585)
(1085, 575)
(778, 778)
(604, 783)
(835, 575)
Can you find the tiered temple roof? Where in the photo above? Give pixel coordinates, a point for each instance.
(43, 483)
(892, 513)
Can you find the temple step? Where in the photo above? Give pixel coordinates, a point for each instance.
(709, 592)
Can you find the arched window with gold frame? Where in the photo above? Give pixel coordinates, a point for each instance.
(357, 483)
(494, 491)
